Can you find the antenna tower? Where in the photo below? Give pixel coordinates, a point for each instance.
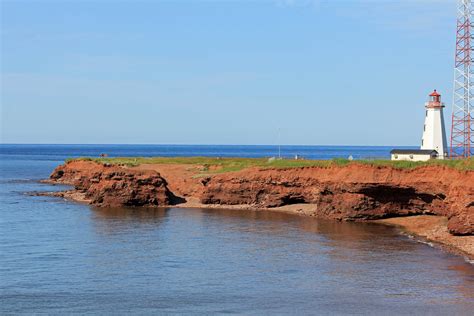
(462, 128)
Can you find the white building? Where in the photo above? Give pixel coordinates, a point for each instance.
(434, 134)
(433, 142)
(413, 154)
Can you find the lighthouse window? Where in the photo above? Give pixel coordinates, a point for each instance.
(426, 114)
(424, 128)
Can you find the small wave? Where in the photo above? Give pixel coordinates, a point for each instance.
(418, 239)
(38, 193)
(437, 246)
(426, 243)
(10, 181)
(471, 261)
(407, 235)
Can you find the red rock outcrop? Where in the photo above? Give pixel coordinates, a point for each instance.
(108, 186)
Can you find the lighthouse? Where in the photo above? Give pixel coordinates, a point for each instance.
(434, 134)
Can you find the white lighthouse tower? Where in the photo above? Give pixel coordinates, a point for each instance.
(434, 134)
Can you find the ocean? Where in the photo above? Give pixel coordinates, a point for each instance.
(61, 257)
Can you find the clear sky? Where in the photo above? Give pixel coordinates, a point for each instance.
(223, 72)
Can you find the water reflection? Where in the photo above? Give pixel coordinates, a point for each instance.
(140, 214)
(124, 220)
(233, 251)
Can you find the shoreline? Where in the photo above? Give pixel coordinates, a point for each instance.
(433, 229)
(428, 228)
(348, 192)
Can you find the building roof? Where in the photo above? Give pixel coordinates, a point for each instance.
(414, 151)
(435, 94)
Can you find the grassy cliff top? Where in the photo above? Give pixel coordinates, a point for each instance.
(235, 164)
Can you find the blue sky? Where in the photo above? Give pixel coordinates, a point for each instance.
(223, 72)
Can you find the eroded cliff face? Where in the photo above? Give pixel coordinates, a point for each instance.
(353, 192)
(109, 186)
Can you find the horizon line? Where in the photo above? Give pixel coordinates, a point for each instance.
(190, 144)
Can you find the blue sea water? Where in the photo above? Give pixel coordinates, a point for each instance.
(61, 152)
(60, 257)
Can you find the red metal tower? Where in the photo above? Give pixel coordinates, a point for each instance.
(462, 129)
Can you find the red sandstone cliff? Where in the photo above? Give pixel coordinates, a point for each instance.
(108, 186)
(353, 192)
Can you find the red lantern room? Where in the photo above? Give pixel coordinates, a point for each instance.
(435, 100)
(435, 96)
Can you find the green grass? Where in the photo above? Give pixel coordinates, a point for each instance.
(219, 165)
(460, 164)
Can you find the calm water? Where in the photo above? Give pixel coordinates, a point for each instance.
(61, 257)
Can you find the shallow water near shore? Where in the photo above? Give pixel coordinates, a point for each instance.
(63, 257)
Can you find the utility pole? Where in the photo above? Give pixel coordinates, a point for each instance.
(279, 144)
